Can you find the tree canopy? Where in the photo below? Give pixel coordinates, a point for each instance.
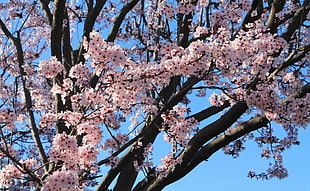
(90, 84)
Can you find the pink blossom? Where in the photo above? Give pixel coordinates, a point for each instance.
(65, 149)
(8, 173)
(50, 68)
(62, 180)
(200, 31)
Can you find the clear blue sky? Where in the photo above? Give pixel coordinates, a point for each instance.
(223, 173)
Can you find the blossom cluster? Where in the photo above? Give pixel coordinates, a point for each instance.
(92, 134)
(103, 52)
(77, 155)
(81, 73)
(65, 148)
(8, 117)
(112, 144)
(178, 128)
(8, 174)
(147, 162)
(168, 162)
(50, 68)
(62, 180)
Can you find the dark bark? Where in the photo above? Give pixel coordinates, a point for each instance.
(56, 33)
(276, 7)
(194, 145)
(126, 180)
(206, 113)
(297, 21)
(44, 5)
(119, 19)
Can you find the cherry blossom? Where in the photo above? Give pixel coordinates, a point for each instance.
(8, 174)
(62, 180)
(50, 68)
(88, 88)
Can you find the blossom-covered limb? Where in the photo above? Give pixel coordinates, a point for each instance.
(16, 41)
(149, 131)
(299, 17)
(204, 153)
(294, 57)
(22, 167)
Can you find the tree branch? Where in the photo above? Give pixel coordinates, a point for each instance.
(291, 59)
(203, 153)
(221, 141)
(299, 93)
(298, 19)
(206, 151)
(277, 6)
(195, 144)
(204, 114)
(22, 167)
(149, 132)
(46, 10)
(92, 15)
(89, 23)
(20, 58)
(57, 29)
(119, 19)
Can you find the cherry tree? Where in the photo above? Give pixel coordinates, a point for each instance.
(90, 85)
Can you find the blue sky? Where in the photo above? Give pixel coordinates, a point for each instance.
(223, 173)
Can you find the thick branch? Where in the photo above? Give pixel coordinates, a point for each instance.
(126, 178)
(298, 19)
(203, 153)
(197, 142)
(92, 15)
(149, 132)
(206, 113)
(56, 50)
(46, 10)
(119, 19)
(214, 129)
(67, 48)
(237, 132)
(56, 33)
(206, 151)
(277, 6)
(233, 134)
